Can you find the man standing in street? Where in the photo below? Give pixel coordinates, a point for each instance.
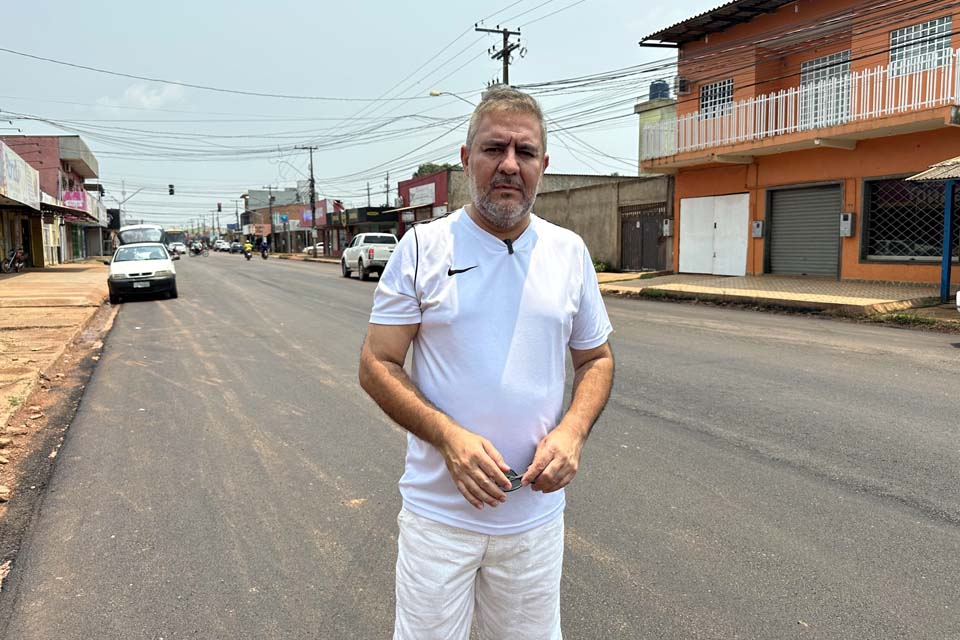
(491, 297)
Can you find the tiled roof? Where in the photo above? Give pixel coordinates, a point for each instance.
(946, 170)
(719, 19)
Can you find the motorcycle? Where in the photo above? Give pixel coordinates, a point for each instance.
(263, 253)
(247, 254)
(15, 261)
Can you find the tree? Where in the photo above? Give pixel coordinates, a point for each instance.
(429, 167)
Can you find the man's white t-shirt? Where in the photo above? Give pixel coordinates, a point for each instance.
(495, 327)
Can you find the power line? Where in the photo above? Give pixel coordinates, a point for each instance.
(197, 86)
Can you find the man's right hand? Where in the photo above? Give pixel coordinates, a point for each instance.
(477, 468)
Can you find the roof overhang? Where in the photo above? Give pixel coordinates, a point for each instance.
(719, 19)
(946, 170)
(76, 152)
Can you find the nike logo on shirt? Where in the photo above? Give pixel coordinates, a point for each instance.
(453, 272)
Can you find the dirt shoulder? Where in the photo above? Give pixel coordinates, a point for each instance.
(44, 374)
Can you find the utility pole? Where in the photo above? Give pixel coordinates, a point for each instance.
(386, 193)
(273, 231)
(236, 212)
(369, 204)
(313, 198)
(508, 48)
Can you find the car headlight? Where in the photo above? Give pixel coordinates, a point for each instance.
(119, 276)
(165, 272)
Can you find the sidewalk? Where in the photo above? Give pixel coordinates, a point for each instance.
(812, 294)
(819, 294)
(41, 311)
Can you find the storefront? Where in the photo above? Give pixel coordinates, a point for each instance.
(342, 226)
(20, 224)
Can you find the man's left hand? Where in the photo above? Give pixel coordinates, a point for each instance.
(555, 462)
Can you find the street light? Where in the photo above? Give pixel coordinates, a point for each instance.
(435, 92)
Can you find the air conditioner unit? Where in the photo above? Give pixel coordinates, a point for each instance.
(681, 86)
(398, 202)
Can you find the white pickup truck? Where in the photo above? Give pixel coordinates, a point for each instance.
(367, 253)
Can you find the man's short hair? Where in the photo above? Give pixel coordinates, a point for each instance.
(503, 97)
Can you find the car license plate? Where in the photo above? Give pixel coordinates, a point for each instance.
(141, 285)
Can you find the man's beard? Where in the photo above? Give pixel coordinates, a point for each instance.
(507, 213)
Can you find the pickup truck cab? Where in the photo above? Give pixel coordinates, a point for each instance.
(367, 253)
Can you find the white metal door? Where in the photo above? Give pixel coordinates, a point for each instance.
(731, 216)
(696, 235)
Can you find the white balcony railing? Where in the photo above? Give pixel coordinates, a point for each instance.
(870, 93)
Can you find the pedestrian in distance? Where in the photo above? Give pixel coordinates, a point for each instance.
(490, 297)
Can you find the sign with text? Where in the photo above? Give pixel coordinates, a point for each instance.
(18, 180)
(75, 200)
(423, 194)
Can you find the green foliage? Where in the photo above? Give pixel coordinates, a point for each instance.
(429, 167)
(600, 266)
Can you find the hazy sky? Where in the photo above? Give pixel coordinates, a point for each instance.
(214, 145)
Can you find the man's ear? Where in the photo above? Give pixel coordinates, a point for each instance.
(546, 163)
(464, 157)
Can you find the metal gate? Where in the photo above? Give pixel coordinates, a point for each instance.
(805, 231)
(641, 248)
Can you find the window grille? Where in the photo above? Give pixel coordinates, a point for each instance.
(825, 91)
(905, 220)
(920, 46)
(716, 98)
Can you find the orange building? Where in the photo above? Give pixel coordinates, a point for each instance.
(793, 128)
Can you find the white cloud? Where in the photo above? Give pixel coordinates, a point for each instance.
(145, 96)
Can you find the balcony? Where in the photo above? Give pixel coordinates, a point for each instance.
(883, 100)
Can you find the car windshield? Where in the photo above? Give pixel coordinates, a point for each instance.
(127, 254)
(146, 234)
(380, 240)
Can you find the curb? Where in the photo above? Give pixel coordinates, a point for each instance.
(761, 301)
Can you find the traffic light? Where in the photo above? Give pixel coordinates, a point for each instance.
(170, 188)
(219, 208)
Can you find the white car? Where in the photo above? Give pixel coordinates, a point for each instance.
(178, 248)
(315, 250)
(367, 253)
(221, 245)
(141, 268)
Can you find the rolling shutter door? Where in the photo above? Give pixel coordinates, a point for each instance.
(805, 231)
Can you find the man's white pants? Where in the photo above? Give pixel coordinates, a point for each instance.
(446, 574)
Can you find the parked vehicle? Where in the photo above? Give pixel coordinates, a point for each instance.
(141, 268)
(15, 261)
(221, 245)
(236, 247)
(367, 253)
(318, 249)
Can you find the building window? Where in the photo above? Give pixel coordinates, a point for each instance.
(716, 98)
(920, 46)
(825, 90)
(905, 220)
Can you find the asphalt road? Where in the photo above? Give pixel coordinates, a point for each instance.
(754, 476)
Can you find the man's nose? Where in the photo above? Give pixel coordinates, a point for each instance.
(509, 164)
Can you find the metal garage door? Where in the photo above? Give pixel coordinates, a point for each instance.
(805, 231)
